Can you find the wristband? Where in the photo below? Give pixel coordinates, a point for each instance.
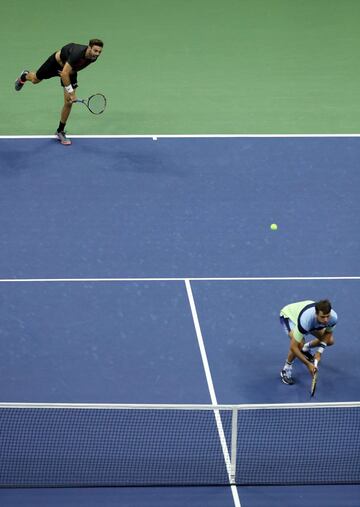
(316, 362)
(322, 346)
(69, 88)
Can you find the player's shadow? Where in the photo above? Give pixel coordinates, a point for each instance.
(121, 159)
(13, 162)
(30, 154)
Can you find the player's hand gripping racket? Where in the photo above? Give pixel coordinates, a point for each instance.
(96, 104)
(313, 383)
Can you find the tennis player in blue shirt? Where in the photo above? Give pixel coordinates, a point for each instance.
(307, 318)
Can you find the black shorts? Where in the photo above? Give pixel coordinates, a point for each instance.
(51, 68)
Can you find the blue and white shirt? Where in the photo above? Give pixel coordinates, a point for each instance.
(303, 316)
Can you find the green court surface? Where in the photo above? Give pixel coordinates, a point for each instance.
(188, 66)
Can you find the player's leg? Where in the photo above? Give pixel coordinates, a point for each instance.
(328, 338)
(286, 372)
(32, 77)
(66, 110)
(50, 68)
(25, 75)
(65, 113)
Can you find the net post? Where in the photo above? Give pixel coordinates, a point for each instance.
(233, 445)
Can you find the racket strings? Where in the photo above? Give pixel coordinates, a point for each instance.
(97, 103)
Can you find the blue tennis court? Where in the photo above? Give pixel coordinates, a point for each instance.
(121, 257)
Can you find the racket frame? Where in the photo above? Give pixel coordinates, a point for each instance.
(87, 101)
(313, 383)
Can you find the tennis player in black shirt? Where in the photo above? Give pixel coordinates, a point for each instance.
(65, 64)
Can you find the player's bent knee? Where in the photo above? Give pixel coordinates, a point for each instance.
(329, 339)
(34, 79)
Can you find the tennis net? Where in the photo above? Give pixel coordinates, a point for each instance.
(83, 445)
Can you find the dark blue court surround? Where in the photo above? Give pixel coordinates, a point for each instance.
(174, 208)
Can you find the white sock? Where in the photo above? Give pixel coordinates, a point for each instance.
(306, 347)
(288, 366)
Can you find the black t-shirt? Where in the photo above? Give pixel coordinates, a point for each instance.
(74, 55)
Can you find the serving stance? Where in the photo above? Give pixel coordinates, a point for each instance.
(64, 63)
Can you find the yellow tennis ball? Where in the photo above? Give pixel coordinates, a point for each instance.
(273, 227)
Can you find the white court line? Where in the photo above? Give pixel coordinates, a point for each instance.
(179, 136)
(178, 279)
(211, 388)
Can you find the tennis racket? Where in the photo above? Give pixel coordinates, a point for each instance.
(313, 383)
(96, 104)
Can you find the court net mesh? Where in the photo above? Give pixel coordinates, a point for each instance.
(75, 445)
